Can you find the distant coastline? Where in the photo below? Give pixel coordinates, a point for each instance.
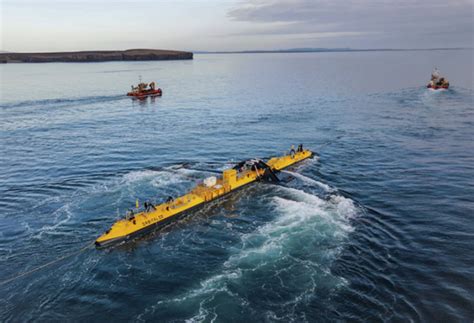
(327, 50)
(95, 56)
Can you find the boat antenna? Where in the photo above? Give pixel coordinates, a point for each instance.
(140, 78)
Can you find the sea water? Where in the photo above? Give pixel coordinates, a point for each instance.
(379, 226)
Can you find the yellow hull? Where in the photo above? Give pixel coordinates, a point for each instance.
(231, 180)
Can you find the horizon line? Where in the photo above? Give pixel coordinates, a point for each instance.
(256, 51)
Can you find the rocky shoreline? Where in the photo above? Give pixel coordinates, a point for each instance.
(96, 56)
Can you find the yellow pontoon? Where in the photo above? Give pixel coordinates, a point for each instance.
(211, 189)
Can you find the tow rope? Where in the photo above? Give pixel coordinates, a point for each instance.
(26, 273)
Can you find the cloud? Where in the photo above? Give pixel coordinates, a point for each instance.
(397, 20)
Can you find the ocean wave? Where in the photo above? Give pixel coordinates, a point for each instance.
(310, 181)
(294, 253)
(158, 178)
(59, 102)
(61, 217)
(302, 213)
(140, 175)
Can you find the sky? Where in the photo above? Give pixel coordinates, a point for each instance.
(228, 25)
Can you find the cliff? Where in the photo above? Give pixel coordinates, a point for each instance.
(95, 56)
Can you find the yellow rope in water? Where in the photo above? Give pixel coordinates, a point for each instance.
(46, 265)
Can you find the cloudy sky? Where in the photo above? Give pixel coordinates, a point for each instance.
(56, 25)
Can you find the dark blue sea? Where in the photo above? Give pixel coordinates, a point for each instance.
(378, 227)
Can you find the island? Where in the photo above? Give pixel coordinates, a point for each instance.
(95, 56)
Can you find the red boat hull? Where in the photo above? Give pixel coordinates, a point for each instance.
(146, 93)
(429, 86)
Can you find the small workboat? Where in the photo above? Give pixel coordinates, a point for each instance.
(437, 81)
(140, 221)
(143, 90)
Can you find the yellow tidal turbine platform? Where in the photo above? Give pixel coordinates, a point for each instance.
(212, 188)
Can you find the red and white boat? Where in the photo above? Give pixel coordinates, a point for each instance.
(143, 90)
(437, 81)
